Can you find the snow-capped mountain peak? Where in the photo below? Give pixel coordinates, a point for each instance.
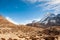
(51, 19)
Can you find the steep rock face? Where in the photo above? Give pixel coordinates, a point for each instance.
(52, 20)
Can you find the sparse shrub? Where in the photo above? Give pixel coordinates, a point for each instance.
(51, 31)
(14, 39)
(10, 39)
(2, 38)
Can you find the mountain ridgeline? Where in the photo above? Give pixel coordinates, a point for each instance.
(47, 20)
(52, 20)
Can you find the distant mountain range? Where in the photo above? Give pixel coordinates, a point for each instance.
(47, 20)
(51, 20)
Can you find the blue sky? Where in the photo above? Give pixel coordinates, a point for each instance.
(25, 11)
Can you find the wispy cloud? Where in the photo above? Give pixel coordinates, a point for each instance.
(10, 19)
(48, 6)
(34, 1)
(55, 2)
(51, 5)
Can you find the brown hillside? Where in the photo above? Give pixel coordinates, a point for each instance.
(5, 23)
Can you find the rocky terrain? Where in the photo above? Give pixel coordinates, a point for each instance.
(34, 31)
(10, 31)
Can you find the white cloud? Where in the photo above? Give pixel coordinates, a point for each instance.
(55, 2)
(51, 5)
(48, 6)
(30, 1)
(34, 1)
(9, 19)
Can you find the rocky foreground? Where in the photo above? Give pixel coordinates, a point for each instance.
(28, 33)
(10, 31)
